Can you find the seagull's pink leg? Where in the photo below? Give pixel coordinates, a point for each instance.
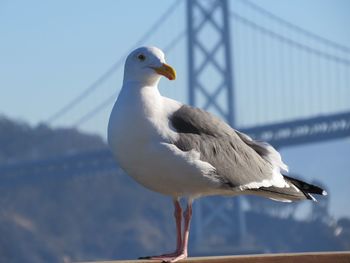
(178, 219)
(182, 244)
(183, 252)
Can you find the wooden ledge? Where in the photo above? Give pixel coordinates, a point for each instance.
(310, 257)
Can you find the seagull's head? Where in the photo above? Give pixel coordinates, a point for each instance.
(147, 65)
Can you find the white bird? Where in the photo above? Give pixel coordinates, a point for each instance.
(185, 152)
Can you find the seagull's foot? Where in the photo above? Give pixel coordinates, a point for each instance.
(176, 258)
(168, 258)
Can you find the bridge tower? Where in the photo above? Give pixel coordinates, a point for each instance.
(211, 86)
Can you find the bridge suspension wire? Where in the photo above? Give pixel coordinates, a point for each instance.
(112, 69)
(285, 74)
(289, 41)
(105, 103)
(294, 27)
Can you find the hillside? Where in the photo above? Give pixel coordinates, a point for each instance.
(19, 141)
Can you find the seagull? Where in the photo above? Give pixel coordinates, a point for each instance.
(185, 152)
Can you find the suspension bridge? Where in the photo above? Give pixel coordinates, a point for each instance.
(266, 76)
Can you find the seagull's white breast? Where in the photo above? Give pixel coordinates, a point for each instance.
(140, 137)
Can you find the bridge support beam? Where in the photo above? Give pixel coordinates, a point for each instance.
(211, 86)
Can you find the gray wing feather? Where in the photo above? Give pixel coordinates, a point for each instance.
(238, 161)
(265, 150)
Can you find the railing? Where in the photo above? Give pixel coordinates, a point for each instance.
(311, 257)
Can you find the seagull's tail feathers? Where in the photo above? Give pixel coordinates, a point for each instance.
(297, 190)
(306, 188)
(293, 189)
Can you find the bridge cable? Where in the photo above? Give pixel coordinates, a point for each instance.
(97, 83)
(293, 26)
(289, 41)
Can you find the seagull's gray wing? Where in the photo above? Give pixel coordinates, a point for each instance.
(240, 162)
(219, 145)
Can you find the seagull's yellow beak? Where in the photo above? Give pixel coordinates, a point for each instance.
(166, 71)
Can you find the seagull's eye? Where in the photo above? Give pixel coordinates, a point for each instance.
(141, 57)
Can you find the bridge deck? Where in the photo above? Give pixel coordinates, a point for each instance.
(313, 257)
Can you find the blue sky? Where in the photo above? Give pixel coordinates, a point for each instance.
(50, 51)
